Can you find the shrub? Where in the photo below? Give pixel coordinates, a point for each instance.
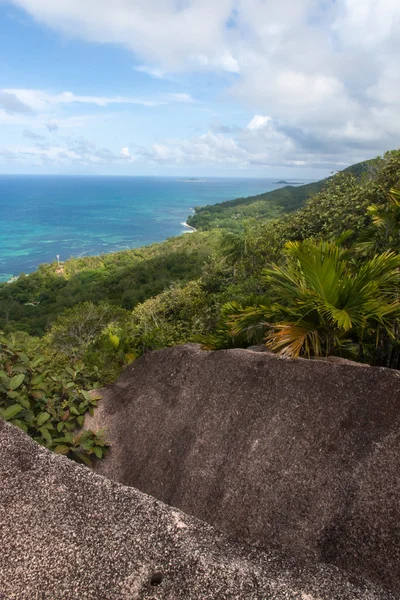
(47, 398)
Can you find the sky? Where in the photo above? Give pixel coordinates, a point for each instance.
(295, 88)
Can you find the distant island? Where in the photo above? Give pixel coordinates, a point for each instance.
(283, 182)
(193, 180)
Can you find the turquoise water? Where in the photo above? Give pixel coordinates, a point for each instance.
(42, 216)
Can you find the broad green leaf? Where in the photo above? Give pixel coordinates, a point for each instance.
(98, 451)
(38, 378)
(42, 418)
(16, 381)
(86, 395)
(45, 433)
(61, 449)
(85, 459)
(20, 424)
(11, 411)
(24, 402)
(37, 361)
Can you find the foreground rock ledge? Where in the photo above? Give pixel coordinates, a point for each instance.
(67, 533)
(301, 456)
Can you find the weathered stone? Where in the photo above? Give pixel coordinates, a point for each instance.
(69, 534)
(301, 456)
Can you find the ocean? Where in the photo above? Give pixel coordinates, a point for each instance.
(46, 216)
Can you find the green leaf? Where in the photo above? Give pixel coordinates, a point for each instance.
(85, 459)
(86, 395)
(61, 449)
(60, 426)
(45, 433)
(82, 407)
(37, 361)
(20, 424)
(11, 411)
(29, 417)
(24, 402)
(16, 381)
(98, 451)
(42, 418)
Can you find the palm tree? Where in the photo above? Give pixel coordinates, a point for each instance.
(384, 231)
(321, 302)
(234, 248)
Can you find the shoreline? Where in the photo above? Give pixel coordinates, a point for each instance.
(193, 229)
(13, 278)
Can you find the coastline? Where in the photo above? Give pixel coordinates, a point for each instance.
(13, 278)
(125, 223)
(192, 229)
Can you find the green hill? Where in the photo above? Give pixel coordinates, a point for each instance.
(269, 205)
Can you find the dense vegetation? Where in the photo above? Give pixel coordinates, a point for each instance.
(270, 205)
(47, 396)
(123, 279)
(319, 280)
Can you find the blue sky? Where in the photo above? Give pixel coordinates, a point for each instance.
(197, 87)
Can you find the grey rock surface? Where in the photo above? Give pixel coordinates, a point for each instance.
(69, 534)
(301, 456)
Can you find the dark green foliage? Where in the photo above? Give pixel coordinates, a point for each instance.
(97, 334)
(383, 233)
(122, 279)
(48, 398)
(322, 302)
(73, 332)
(176, 316)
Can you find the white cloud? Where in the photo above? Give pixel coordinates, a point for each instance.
(163, 32)
(152, 71)
(183, 97)
(41, 101)
(258, 121)
(264, 146)
(125, 154)
(325, 72)
(27, 101)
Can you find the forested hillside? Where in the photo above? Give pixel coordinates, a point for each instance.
(122, 279)
(270, 205)
(322, 280)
